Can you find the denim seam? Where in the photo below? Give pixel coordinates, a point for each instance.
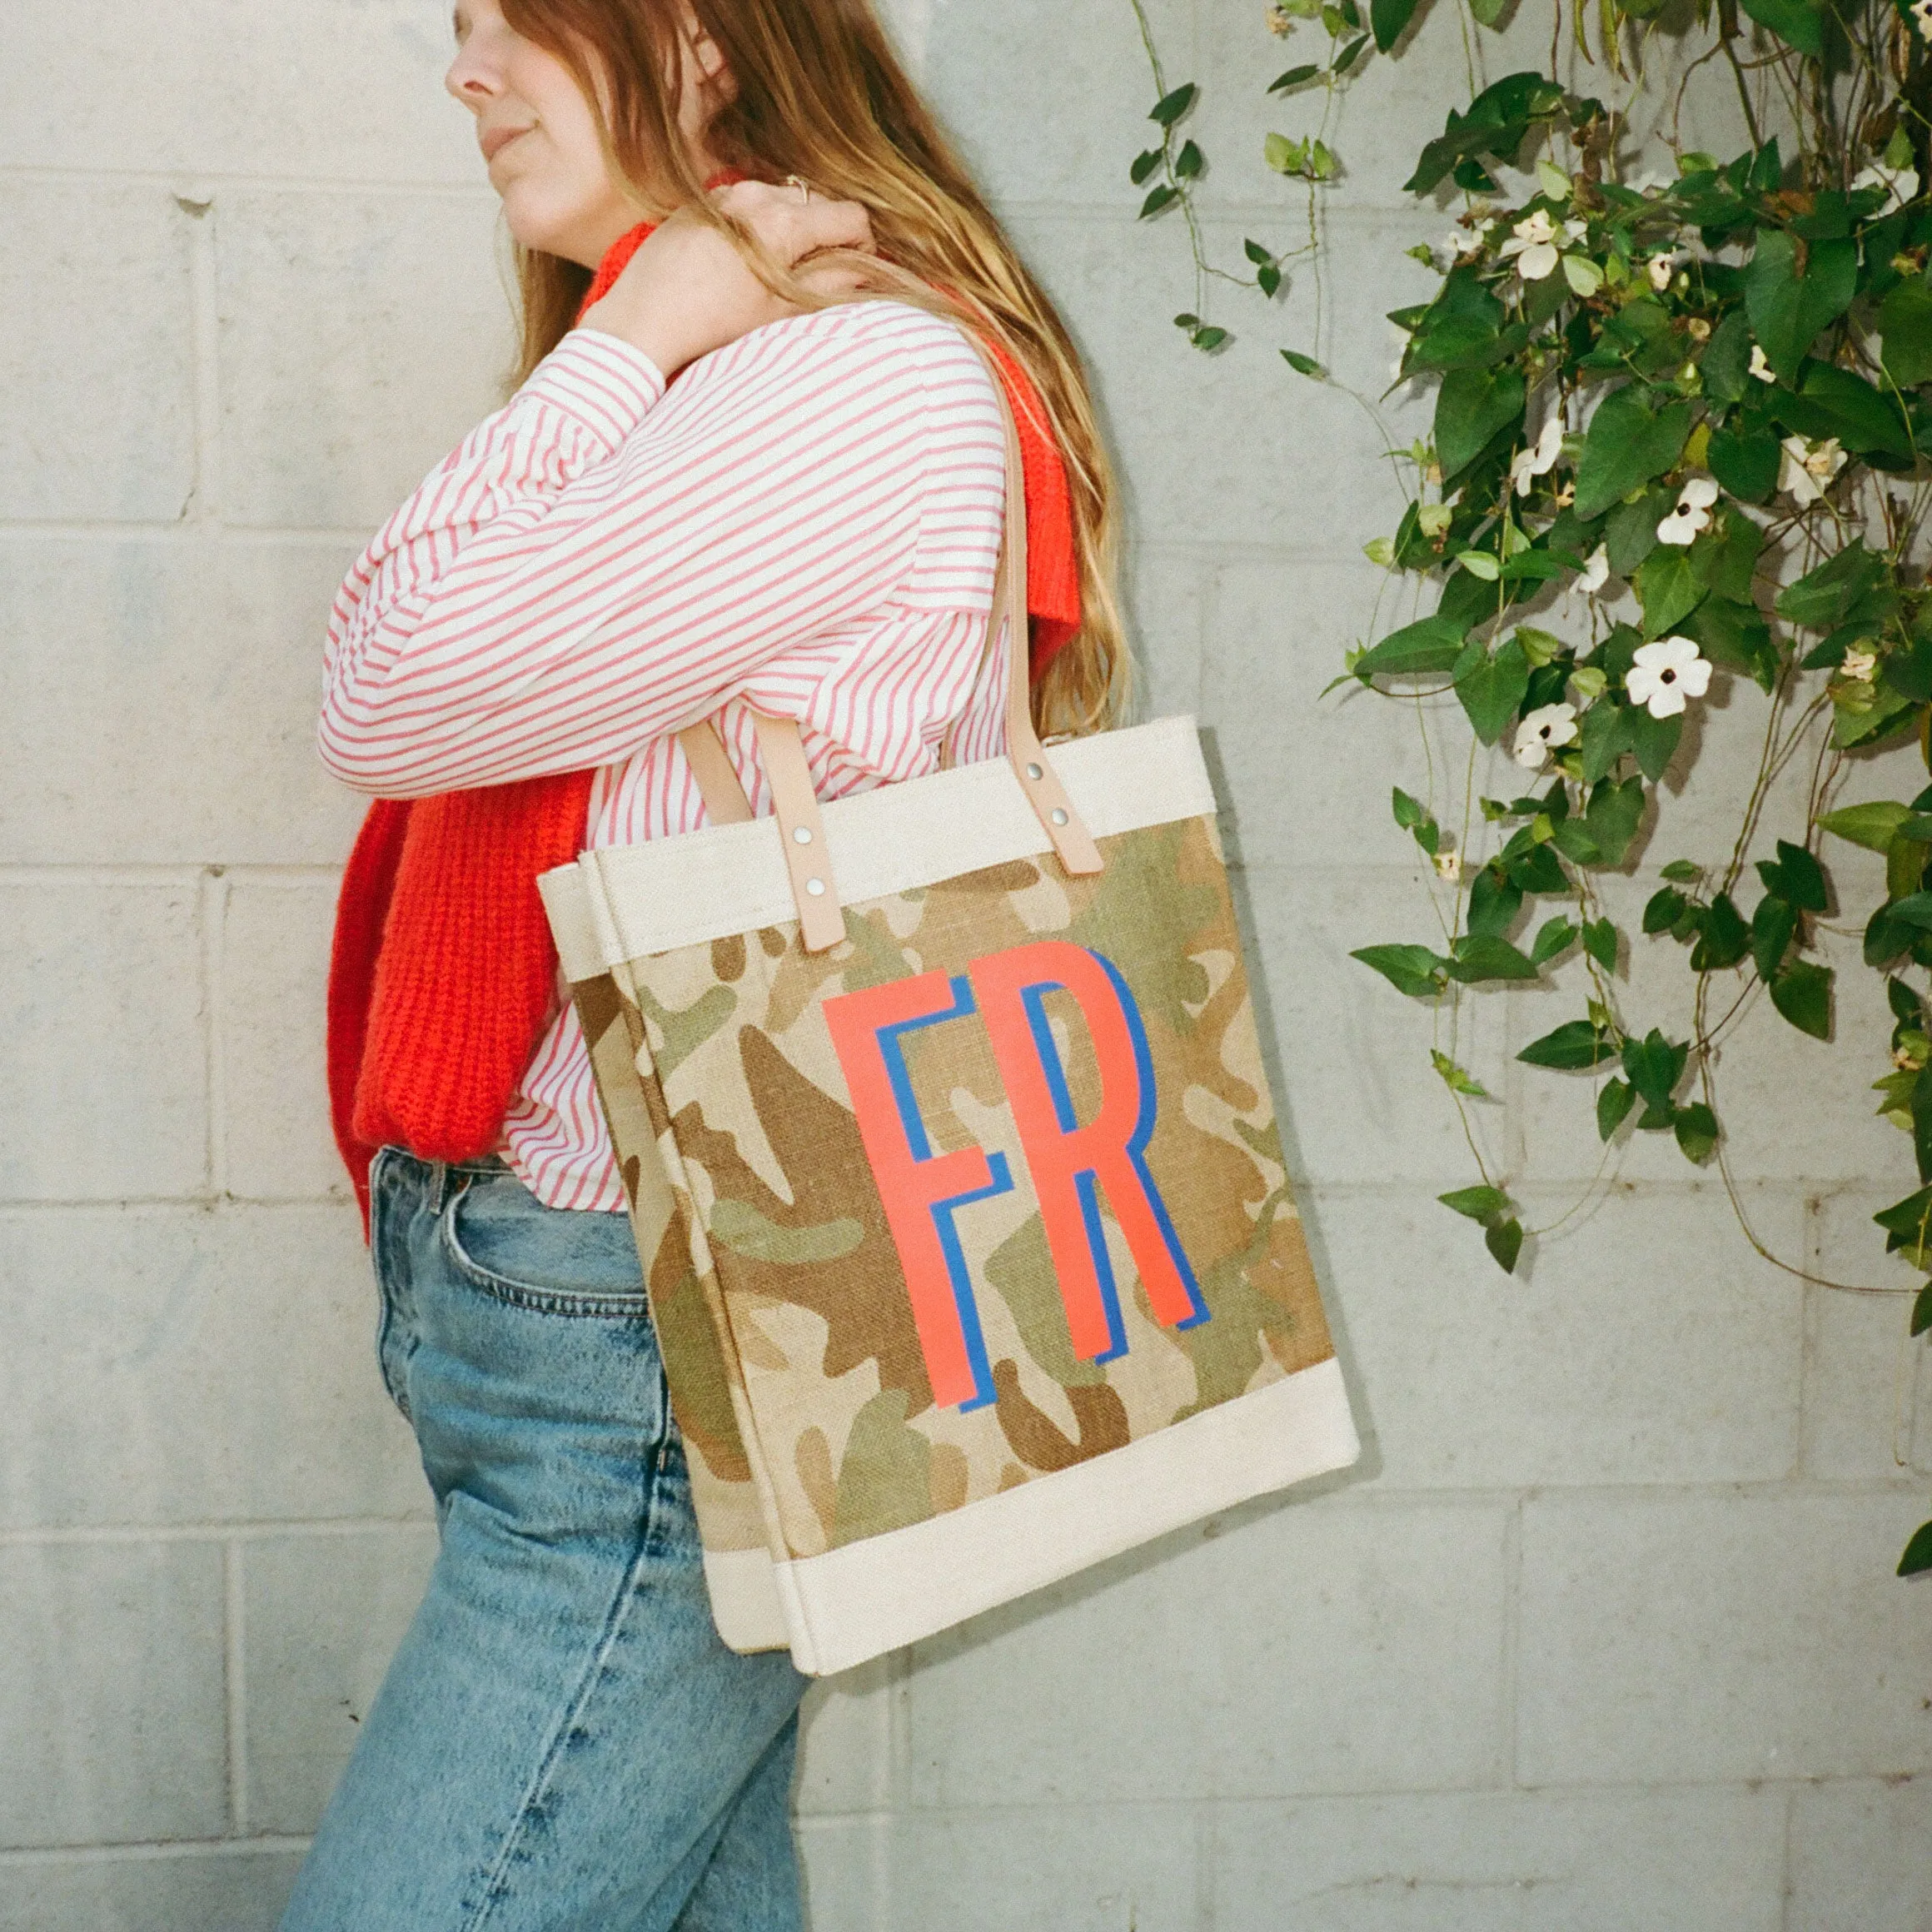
(527, 1296)
(496, 1885)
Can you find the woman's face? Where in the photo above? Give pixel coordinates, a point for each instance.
(538, 135)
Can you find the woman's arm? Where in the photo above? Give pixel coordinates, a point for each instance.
(601, 562)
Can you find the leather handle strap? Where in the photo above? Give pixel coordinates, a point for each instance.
(808, 857)
(808, 860)
(719, 784)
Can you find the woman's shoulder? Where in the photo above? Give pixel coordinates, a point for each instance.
(881, 345)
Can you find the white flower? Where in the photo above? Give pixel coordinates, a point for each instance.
(1860, 665)
(1533, 242)
(1661, 267)
(1758, 367)
(1921, 11)
(1597, 566)
(1665, 673)
(1806, 469)
(1539, 733)
(1900, 184)
(1692, 513)
(1449, 866)
(1530, 464)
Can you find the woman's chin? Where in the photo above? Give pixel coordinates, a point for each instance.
(540, 225)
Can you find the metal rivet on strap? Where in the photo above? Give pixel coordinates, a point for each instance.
(1034, 771)
(1059, 817)
(802, 834)
(815, 887)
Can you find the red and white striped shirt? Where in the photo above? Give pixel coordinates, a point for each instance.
(807, 522)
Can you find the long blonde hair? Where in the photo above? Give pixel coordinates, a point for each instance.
(820, 93)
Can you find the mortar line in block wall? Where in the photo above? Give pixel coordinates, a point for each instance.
(203, 1201)
(206, 498)
(143, 1852)
(227, 1533)
(1510, 1768)
(67, 530)
(217, 182)
(166, 875)
(214, 914)
(1788, 1878)
(235, 1683)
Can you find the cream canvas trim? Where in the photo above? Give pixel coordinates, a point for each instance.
(745, 1600)
(858, 1602)
(726, 879)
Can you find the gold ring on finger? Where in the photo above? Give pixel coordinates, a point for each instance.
(799, 183)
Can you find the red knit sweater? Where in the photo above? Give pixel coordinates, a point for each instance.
(443, 972)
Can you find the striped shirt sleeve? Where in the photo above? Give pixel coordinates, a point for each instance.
(602, 560)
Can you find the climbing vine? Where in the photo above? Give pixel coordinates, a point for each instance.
(1681, 440)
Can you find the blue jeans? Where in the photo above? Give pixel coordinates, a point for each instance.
(562, 1744)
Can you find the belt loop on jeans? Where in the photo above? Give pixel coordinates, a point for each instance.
(440, 1172)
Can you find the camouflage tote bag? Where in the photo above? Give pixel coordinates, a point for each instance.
(955, 1172)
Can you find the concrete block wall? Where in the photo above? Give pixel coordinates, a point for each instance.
(1602, 1634)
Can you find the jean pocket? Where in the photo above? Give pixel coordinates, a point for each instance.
(499, 1238)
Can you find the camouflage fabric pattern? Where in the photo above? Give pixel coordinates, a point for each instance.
(813, 1349)
(706, 1394)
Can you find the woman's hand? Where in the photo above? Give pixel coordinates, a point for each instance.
(688, 291)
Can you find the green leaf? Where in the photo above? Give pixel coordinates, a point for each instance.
(1922, 1310)
(1417, 650)
(1302, 365)
(1790, 307)
(1852, 586)
(1488, 12)
(1613, 1106)
(1799, 21)
(1574, 1046)
(1918, 1552)
(1505, 1240)
(1745, 462)
(1606, 736)
(1189, 162)
(1479, 956)
(1494, 902)
(1682, 871)
(1387, 18)
(1723, 939)
(1654, 740)
(1478, 1203)
(1908, 1223)
(1599, 942)
(1772, 926)
(1350, 55)
(1921, 1109)
(1654, 1067)
(1625, 447)
(1410, 813)
(1869, 825)
(1170, 107)
(1474, 405)
(1208, 338)
(1613, 815)
(1726, 364)
(1664, 908)
(1163, 196)
(1802, 994)
(1905, 322)
(1294, 77)
(1412, 969)
(1492, 686)
(1457, 1078)
(1838, 402)
(1668, 588)
(1802, 877)
(1554, 937)
(1696, 1128)
(1143, 165)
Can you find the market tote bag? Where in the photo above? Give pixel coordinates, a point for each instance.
(954, 1169)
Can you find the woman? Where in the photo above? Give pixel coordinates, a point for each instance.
(807, 521)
